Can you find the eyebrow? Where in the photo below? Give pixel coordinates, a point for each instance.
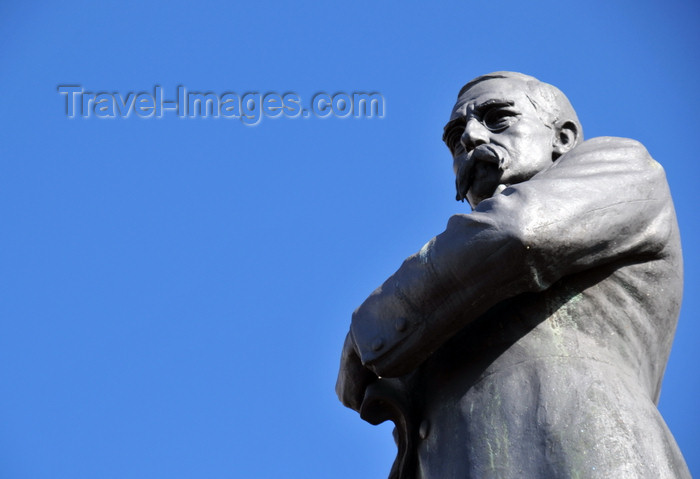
(493, 102)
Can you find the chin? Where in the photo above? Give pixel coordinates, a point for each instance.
(475, 200)
(479, 194)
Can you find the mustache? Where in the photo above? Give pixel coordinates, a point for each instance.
(465, 174)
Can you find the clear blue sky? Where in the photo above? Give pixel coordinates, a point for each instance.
(175, 292)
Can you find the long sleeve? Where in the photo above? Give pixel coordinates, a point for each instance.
(604, 200)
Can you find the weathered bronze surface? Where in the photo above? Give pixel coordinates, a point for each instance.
(529, 339)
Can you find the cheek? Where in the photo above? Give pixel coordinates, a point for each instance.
(515, 143)
(530, 142)
(541, 136)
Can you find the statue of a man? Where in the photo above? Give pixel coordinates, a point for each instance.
(529, 339)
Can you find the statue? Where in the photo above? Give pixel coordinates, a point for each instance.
(529, 339)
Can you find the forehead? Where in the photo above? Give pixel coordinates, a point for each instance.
(506, 89)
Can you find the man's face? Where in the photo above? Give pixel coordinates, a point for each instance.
(496, 139)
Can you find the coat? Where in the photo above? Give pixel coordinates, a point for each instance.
(529, 340)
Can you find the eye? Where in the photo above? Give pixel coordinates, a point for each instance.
(497, 119)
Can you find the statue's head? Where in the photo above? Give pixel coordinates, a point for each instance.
(505, 128)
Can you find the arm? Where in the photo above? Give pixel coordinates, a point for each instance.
(604, 200)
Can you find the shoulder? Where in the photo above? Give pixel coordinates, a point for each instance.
(610, 143)
(612, 149)
(609, 157)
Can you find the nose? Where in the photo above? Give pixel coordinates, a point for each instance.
(475, 134)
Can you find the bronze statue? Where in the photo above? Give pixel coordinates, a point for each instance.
(529, 339)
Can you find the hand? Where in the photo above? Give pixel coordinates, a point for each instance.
(353, 377)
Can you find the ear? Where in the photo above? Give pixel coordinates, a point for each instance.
(565, 138)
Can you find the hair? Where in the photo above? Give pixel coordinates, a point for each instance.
(549, 102)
